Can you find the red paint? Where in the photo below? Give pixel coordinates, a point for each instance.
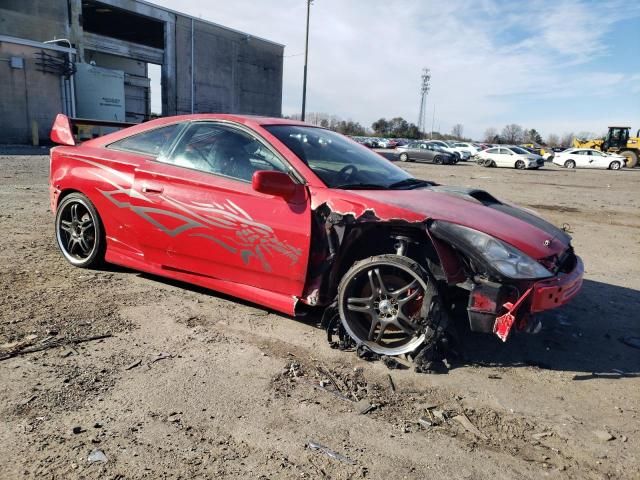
(503, 324)
(61, 131)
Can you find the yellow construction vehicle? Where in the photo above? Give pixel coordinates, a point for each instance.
(616, 141)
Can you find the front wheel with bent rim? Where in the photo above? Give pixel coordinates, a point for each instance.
(385, 303)
(520, 165)
(79, 232)
(615, 165)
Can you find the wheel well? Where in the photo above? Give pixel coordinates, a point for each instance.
(365, 240)
(65, 193)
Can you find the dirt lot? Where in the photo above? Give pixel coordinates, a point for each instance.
(193, 384)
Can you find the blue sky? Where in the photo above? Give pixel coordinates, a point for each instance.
(557, 66)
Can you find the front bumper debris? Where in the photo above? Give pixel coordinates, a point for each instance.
(496, 308)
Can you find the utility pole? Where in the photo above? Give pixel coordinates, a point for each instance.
(424, 90)
(306, 56)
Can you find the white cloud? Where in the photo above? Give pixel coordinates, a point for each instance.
(487, 57)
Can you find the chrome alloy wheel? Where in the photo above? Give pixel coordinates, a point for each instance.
(76, 231)
(383, 305)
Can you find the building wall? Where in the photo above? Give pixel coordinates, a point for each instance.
(39, 20)
(232, 72)
(27, 95)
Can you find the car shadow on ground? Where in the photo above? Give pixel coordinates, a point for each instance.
(584, 337)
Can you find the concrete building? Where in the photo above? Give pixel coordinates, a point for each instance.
(90, 58)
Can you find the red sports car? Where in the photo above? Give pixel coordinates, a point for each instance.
(292, 216)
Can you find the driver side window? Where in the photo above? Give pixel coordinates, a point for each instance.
(218, 149)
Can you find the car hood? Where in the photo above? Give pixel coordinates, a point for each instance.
(471, 208)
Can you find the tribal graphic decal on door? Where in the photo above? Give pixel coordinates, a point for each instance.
(225, 224)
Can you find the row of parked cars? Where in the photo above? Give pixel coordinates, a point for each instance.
(510, 156)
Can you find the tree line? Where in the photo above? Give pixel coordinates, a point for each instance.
(398, 127)
(514, 134)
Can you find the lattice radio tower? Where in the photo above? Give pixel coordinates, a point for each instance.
(424, 90)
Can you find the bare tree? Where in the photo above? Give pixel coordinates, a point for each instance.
(457, 130)
(512, 134)
(553, 140)
(490, 135)
(567, 139)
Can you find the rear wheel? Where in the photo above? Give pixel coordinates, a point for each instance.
(615, 165)
(404, 157)
(385, 303)
(79, 231)
(520, 165)
(631, 158)
(570, 164)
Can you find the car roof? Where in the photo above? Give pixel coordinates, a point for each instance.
(250, 121)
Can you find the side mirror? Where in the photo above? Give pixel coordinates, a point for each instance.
(275, 183)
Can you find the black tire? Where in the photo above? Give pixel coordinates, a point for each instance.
(569, 164)
(631, 158)
(380, 321)
(615, 165)
(79, 231)
(437, 160)
(520, 165)
(404, 157)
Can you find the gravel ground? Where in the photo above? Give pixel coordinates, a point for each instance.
(193, 384)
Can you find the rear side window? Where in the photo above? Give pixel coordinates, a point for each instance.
(153, 142)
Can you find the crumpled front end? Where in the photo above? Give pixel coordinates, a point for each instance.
(506, 286)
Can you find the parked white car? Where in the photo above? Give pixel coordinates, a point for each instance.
(468, 147)
(588, 158)
(509, 156)
(447, 147)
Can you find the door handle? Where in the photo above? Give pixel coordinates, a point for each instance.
(152, 189)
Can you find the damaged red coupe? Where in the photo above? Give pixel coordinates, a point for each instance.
(293, 217)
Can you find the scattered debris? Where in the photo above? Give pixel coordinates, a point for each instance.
(439, 414)
(174, 417)
(463, 420)
(135, 364)
(325, 389)
(391, 363)
(97, 456)
(603, 435)
(631, 341)
(363, 407)
(541, 435)
(325, 373)
(161, 356)
(425, 422)
(391, 384)
(493, 376)
(52, 343)
(77, 430)
(327, 451)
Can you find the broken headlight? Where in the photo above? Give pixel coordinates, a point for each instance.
(496, 254)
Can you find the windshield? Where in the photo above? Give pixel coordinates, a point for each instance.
(519, 150)
(339, 162)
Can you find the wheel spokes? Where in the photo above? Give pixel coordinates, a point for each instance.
(378, 288)
(404, 323)
(74, 212)
(65, 225)
(84, 245)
